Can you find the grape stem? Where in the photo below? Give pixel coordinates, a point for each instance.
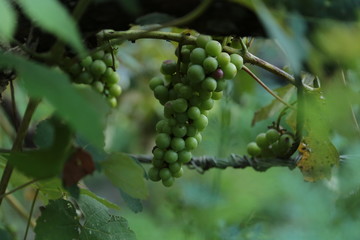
(133, 35)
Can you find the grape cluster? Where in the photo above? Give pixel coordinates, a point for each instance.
(97, 70)
(273, 143)
(187, 91)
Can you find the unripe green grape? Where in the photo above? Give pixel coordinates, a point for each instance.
(178, 173)
(162, 140)
(98, 55)
(179, 105)
(163, 126)
(196, 73)
(170, 156)
(112, 101)
(115, 90)
(184, 67)
(198, 137)
(201, 122)
(185, 55)
(153, 174)
(168, 67)
(86, 62)
(213, 48)
(172, 94)
(262, 141)
(109, 60)
(207, 104)
(112, 78)
(253, 149)
(217, 95)
(193, 112)
(221, 85)
(276, 148)
(184, 156)
(165, 173)
(202, 40)
(237, 60)
(174, 167)
(181, 117)
(191, 131)
(177, 86)
(158, 163)
(230, 71)
(223, 59)
(85, 77)
(155, 81)
(179, 130)
(98, 86)
(197, 56)
(195, 101)
(204, 95)
(210, 64)
(161, 93)
(209, 84)
(285, 141)
(97, 68)
(185, 92)
(205, 112)
(190, 143)
(272, 135)
(168, 182)
(158, 153)
(177, 144)
(75, 69)
(168, 111)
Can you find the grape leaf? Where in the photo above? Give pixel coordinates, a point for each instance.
(54, 18)
(99, 224)
(44, 134)
(58, 221)
(133, 203)
(126, 174)
(285, 92)
(7, 20)
(50, 189)
(41, 81)
(100, 199)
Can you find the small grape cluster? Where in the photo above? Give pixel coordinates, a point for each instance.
(97, 70)
(188, 91)
(273, 143)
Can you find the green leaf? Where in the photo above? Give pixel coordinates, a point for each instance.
(77, 106)
(50, 189)
(99, 224)
(100, 199)
(133, 203)
(58, 221)
(285, 92)
(45, 134)
(4, 234)
(54, 18)
(7, 20)
(126, 174)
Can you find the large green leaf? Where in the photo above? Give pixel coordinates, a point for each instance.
(54, 18)
(99, 224)
(126, 174)
(100, 199)
(58, 221)
(83, 109)
(133, 203)
(7, 20)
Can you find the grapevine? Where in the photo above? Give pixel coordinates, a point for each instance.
(187, 90)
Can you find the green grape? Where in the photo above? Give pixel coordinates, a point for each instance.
(98, 55)
(179, 105)
(112, 101)
(179, 130)
(115, 90)
(209, 84)
(155, 81)
(163, 126)
(207, 104)
(262, 141)
(213, 48)
(158, 153)
(178, 173)
(272, 135)
(85, 77)
(111, 77)
(198, 56)
(223, 59)
(174, 167)
(221, 85)
(230, 71)
(97, 68)
(75, 69)
(98, 86)
(285, 141)
(193, 112)
(161, 93)
(191, 131)
(109, 60)
(190, 143)
(210, 64)
(153, 174)
(198, 137)
(253, 149)
(86, 62)
(185, 55)
(168, 67)
(202, 40)
(162, 140)
(181, 117)
(168, 111)
(185, 92)
(217, 95)
(177, 144)
(184, 156)
(276, 148)
(195, 101)
(165, 173)
(170, 156)
(204, 95)
(158, 163)
(196, 73)
(237, 60)
(201, 122)
(168, 182)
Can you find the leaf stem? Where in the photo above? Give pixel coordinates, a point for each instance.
(17, 145)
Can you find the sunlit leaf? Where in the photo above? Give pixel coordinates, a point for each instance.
(54, 18)
(126, 174)
(50, 189)
(7, 20)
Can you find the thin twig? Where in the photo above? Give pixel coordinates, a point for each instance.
(18, 188)
(266, 87)
(30, 213)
